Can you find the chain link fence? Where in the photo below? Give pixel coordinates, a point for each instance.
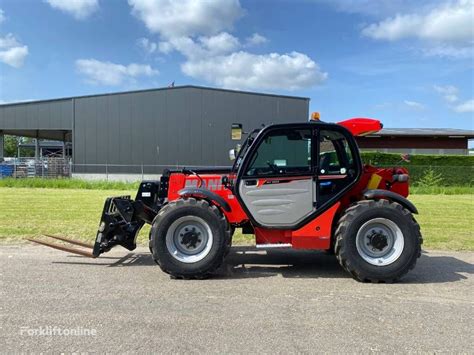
(51, 167)
(64, 168)
(427, 175)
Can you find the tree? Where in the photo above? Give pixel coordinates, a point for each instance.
(10, 146)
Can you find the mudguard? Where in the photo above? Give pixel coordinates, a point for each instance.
(390, 195)
(205, 194)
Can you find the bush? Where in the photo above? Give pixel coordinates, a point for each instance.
(451, 170)
(377, 158)
(430, 179)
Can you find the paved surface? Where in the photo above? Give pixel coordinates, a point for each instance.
(281, 302)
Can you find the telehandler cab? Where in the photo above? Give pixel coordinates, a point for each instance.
(298, 185)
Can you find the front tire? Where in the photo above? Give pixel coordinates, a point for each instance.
(189, 238)
(377, 241)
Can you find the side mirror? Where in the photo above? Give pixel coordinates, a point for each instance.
(236, 131)
(234, 152)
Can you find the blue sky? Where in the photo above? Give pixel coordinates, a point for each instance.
(408, 63)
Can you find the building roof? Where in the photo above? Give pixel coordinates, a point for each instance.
(151, 90)
(424, 132)
(48, 144)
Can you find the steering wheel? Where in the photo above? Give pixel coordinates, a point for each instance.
(273, 166)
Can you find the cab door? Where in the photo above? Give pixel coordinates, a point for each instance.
(277, 185)
(338, 167)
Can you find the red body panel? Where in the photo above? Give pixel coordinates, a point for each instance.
(314, 235)
(212, 182)
(317, 233)
(361, 126)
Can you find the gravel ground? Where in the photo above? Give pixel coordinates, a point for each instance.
(275, 302)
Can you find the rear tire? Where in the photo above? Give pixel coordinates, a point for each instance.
(189, 238)
(377, 241)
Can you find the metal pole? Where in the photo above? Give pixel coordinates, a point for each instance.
(1, 145)
(37, 152)
(106, 172)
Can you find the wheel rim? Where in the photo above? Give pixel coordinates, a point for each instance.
(380, 242)
(189, 239)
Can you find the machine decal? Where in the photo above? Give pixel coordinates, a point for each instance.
(374, 181)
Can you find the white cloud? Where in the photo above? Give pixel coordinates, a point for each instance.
(447, 51)
(148, 46)
(80, 9)
(414, 105)
(15, 56)
(2, 16)
(165, 47)
(107, 73)
(242, 70)
(12, 52)
(450, 95)
(448, 92)
(8, 41)
(187, 17)
(221, 43)
(447, 23)
(216, 60)
(255, 40)
(464, 107)
(197, 30)
(375, 8)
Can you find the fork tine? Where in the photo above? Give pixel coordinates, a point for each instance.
(72, 241)
(63, 248)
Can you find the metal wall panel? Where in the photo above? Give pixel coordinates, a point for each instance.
(168, 127)
(183, 126)
(47, 115)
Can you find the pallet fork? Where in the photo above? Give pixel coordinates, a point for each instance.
(64, 247)
(121, 221)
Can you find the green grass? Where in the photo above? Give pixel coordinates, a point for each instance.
(68, 184)
(132, 186)
(446, 220)
(442, 190)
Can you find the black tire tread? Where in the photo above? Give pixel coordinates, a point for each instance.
(168, 208)
(343, 224)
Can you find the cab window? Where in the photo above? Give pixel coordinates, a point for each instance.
(335, 155)
(282, 152)
(336, 166)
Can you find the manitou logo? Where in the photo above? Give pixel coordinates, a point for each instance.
(210, 184)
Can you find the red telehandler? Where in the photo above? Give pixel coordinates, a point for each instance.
(297, 185)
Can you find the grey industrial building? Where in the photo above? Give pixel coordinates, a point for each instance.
(144, 131)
